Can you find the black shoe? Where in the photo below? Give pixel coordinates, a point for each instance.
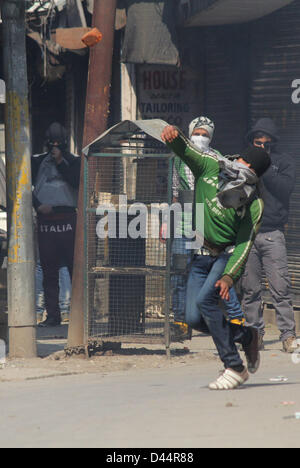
(180, 331)
(50, 322)
(252, 352)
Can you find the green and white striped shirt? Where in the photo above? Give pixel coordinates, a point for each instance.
(222, 226)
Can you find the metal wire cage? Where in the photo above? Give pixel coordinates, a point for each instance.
(128, 176)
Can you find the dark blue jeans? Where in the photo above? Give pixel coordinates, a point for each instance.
(179, 281)
(204, 314)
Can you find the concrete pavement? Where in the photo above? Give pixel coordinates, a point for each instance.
(158, 404)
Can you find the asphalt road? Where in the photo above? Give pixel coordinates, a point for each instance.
(155, 408)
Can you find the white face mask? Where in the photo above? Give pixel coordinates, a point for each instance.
(202, 142)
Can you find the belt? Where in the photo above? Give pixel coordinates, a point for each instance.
(214, 250)
(203, 251)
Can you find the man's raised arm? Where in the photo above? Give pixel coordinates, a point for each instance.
(194, 158)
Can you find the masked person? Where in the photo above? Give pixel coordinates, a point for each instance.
(201, 132)
(55, 177)
(232, 213)
(269, 253)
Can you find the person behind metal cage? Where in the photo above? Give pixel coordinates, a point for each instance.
(201, 132)
(55, 178)
(269, 253)
(65, 291)
(232, 213)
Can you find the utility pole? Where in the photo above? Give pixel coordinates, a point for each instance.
(21, 264)
(96, 113)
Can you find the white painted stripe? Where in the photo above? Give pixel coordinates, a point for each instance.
(249, 243)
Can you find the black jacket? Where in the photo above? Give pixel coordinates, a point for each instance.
(70, 171)
(277, 183)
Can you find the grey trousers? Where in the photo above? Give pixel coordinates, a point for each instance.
(268, 255)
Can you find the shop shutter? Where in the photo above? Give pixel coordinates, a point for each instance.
(226, 85)
(275, 65)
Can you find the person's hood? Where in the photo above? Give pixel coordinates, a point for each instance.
(56, 132)
(265, 125)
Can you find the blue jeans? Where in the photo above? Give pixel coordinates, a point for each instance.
(39, 290)
(204, 314)
(65, 288)
(179, 281)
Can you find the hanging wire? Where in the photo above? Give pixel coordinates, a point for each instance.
(159, 8)
(50, 9)
(44, 33)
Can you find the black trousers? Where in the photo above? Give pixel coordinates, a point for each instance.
(56, 239)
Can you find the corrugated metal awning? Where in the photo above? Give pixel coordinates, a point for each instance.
(220, 12)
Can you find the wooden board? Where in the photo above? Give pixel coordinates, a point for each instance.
(70, 38)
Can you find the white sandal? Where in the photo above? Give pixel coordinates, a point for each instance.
(230, 380)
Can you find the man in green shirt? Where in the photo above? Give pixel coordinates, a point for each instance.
(225, 225)
(201, 132)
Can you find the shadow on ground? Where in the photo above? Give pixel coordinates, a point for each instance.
(52, 333)
(51, 340)
(142, 352)
(54, 339)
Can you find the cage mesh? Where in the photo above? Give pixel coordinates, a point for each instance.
(127, 279)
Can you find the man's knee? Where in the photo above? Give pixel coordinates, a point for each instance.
(250, 285)
(196, 321)
(192, 321)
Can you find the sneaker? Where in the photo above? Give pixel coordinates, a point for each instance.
(180, 331)
(290, 345)
(50, 322)
(230, 380)
(65, 317)
(39, 318)
(252, 352)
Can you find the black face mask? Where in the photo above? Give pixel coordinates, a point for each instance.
(51, 145)
(258, 158)
(268, 146)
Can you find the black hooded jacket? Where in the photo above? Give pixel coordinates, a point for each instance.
(277, 183)
(69, 170)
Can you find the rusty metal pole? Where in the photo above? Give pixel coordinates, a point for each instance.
(96, 113)
(21, 262)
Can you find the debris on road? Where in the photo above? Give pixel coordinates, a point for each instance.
(280, 378)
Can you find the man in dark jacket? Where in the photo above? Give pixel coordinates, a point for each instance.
(55, 177)
(269, 253)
